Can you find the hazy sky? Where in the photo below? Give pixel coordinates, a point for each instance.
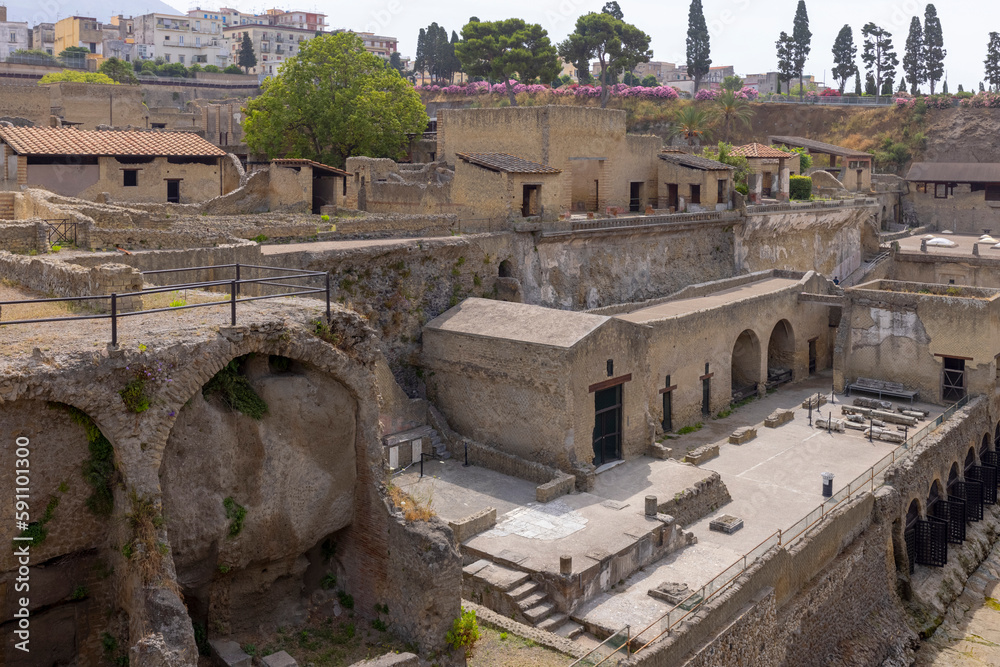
(743, 31)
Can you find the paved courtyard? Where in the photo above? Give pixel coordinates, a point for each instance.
(774, 481)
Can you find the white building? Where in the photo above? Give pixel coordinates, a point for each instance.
(183, 39)
(14, 35)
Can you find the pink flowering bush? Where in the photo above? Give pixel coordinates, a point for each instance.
(747, 93)
(706, 94)
(574, 90)
(984, 100)
(905, 103)
(830, 92)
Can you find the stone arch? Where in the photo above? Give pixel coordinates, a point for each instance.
(914, 511)
(505, 269)
(745, 366)
(970, 459)
(996, 437)
(934, 494)
(781, 352)
(954, 476)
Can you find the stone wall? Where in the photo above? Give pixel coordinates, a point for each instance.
(743, 643)
(963, 211)
(24, 237)
(50, 276)
(696, 501)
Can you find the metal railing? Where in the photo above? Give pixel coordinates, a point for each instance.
(232, 287)
(646, 220)
(61, 231)
(869, 480)
(847, 101)
(600, 652)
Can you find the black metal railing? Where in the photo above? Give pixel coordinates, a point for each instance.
(231, 286)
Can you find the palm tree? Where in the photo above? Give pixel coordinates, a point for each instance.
(691, 123)
(727, 107)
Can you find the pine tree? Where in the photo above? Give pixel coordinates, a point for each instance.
(246, 58)
(785, 47)
(879, 57)
(857, 82)
(902, 84)
(779, 85)
(982, 88)
(802, 40)
(420, 59)
(870, 87)
(944, 87)
(933, 46)
(845, 55)
(993, 60)
(699, 49)
(913, 60)
(887, 88)
(960, 89)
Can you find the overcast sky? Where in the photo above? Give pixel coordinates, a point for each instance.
(743, 31)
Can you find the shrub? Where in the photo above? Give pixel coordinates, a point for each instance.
(134, 395)
(233, 69)
(329, 581)
(56, 248)
(236, 513)
(800, 187)
(260, 238)
(690, 429)
(177, 303)
(346, 599)
(464, 632)
(706, 94)
(743, 189)
(77, 77)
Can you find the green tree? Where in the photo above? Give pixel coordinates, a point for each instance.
(649, 81)
(801, 40)
(699, 48)
(992, 60)
(724, 154)
(786, 58)
(331, 101)
(613, 9)
(857, 83)
(74, 56)
(902, 84)
(913, 58)
(733, 83)
(230, 69)
(727, 108)
(845, 56)
(805, 159)
(119, 71)
(246, 57)
(944, 87)
(879, 57)
(617, 46)
(500, 50)
(77, 77)
(396, 62)
(214, 69)
(691, 123)
(933, 46)
(435, 54)
(870, 86)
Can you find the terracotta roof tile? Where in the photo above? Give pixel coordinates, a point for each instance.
(71, 141)
(507, 163)
(693, 161)
(760, 151)
(302, 162)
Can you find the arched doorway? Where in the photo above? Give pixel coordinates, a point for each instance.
(505, 270)
(932, 533)
(745, 365)
(780, 354)
(980, 481)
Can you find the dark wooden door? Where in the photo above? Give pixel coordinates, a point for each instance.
(607, 425)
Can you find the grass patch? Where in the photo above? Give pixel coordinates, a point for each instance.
(260, 238)
(690, 429)
(322, 331)
(992, 603)
(236, 513)
(414, 509)
(233, 387)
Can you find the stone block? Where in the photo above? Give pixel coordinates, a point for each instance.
(743, 435)
(660, 451)
(779, 418)
(873, 403)
(391, 660)
(702, 454)
(831, 424)
(670, 592)
(727, 523)
(227, 653)
(280, 659)
(473, 524)
(815, 401)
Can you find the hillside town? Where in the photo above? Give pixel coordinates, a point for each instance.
(321, 349)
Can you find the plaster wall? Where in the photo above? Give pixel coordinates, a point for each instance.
(963, 212)
(687, 180)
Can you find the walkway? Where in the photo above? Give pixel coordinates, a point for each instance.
(685, 306)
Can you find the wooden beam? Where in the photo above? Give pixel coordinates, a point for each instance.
(607, 384)
(667, 390)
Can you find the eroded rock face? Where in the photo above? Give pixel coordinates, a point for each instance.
(294, 472)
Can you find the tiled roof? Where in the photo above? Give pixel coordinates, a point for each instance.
(954, 172)
(694, 161)
(300, 162)
(818, 146)
(70, 141)
(760, 151)
(507, 163)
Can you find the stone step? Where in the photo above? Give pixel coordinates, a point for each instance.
(533, 600)
(539, 612)
(499, 577)
(553, 622)
(569, 630)
(523, 591)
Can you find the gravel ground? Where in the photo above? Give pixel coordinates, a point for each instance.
(496, 649)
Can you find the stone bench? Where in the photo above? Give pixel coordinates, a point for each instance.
(473, 524)
(882, 388)
(814, 401)
(743, 435)
(779, 418)
(702, 454)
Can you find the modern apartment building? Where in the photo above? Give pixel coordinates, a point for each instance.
(272, 17)
(14, 35)
(43, 37)
(271, 44)
(380, 45)
(181, 39)
(82, 31)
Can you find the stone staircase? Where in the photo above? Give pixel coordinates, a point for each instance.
(512, 593)
(440, 449)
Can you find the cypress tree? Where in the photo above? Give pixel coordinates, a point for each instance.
(913, 59)
(699, 49)
(801, 40)
(993, 60)
(845, 55)
(933, 46)
(857, 82)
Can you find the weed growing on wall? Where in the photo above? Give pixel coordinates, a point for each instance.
(99, 468)
(233, 387)
(37, 530)
(142, 548)
(322, 331)
(236, 513)
(414, 509)
(137, 395)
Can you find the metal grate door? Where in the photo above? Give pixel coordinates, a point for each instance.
(931, 542)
